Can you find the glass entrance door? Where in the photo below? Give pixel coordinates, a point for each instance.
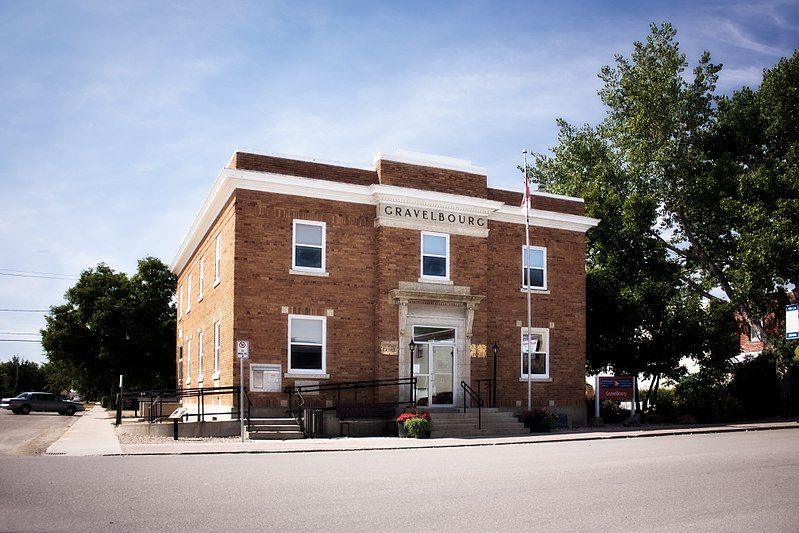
(433, 365)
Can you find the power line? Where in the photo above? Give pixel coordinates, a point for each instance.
(35, 272)
(17, 333)
(24, 310)
(41, 276)
(20, 340)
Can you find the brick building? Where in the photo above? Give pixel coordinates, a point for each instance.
(330, 271)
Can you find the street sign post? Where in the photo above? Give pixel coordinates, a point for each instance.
(792, 321)
(242, 352)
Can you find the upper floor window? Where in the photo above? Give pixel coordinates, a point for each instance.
(754, 334)
(534, 267)
(180, 302)
(188, 294)
(538, 343)
(218, 259)
(309, 246)
(435, 255)
(307, 344)
(201, 277)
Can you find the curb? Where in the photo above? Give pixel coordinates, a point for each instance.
(621, 435)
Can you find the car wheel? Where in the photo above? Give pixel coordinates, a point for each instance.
(25, 409)
(69, 411)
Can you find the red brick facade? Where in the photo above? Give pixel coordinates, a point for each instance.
(371, 292)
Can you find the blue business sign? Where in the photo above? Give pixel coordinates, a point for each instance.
(792, 321)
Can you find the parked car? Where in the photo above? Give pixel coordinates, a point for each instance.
(40, 401)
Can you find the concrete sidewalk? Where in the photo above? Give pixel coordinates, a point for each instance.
(94, 434)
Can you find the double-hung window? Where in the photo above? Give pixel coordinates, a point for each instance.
(200, 336)
(217, 346)
(218, 259)
(538, 343)
(201, 277)
(307, 336)
(534, 267)
(180, 302)
(435, 255)
(188, 294)
(308, 252)
(188, 360)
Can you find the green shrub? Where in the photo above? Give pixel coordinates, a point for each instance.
(418, 427)
(665, 405)
(707, 396)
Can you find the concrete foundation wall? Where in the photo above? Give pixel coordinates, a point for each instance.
(225, 428)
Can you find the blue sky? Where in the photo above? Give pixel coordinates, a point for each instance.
(115, 117)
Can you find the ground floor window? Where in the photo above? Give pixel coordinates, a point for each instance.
(307, 344)
(538, 343)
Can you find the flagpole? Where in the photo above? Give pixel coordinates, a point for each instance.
(529, 283)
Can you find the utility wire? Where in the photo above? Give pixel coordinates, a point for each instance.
(24, 310)
(57, 276)
(17, 333)
(19, 340)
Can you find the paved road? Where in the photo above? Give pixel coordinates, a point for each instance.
(724, 482)
(31, 434)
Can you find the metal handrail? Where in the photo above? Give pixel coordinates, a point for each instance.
(156, 398)
(474, 395)
(343, 386)
(492, 401)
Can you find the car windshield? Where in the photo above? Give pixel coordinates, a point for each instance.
(23, 396)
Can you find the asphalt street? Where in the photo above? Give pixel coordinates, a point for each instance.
(31, 434)
(716, 482)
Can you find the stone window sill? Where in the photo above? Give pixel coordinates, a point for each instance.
(291, 375)
(440, 281)
(537, 380)
(318, 274)
(534, 291)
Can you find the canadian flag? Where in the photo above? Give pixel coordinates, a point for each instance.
(527, 196)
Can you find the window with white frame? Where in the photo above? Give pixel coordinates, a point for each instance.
(307, 336)
(534, 267)
(435, 255)
(180, 302)
(308, 246)
(188, 360)
(754, 334)
(201, 279)
(218, 259)
(200, 336)
(217, 346)
(188, 294)
(538, 343)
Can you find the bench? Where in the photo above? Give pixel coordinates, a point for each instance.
(352, 414)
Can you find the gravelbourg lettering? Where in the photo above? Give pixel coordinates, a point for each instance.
(434, 215)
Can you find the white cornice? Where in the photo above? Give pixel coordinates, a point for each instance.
(229, 180)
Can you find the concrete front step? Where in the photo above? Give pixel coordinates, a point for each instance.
(460, 424)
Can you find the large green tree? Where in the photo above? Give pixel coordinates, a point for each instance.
(111, 325)
(698, 195)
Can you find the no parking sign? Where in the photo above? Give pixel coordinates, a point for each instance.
(243, 349)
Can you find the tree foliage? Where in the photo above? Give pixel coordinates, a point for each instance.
(111, 325)
(18, 376)
(698, 196)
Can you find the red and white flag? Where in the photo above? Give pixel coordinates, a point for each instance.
(527, 196)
